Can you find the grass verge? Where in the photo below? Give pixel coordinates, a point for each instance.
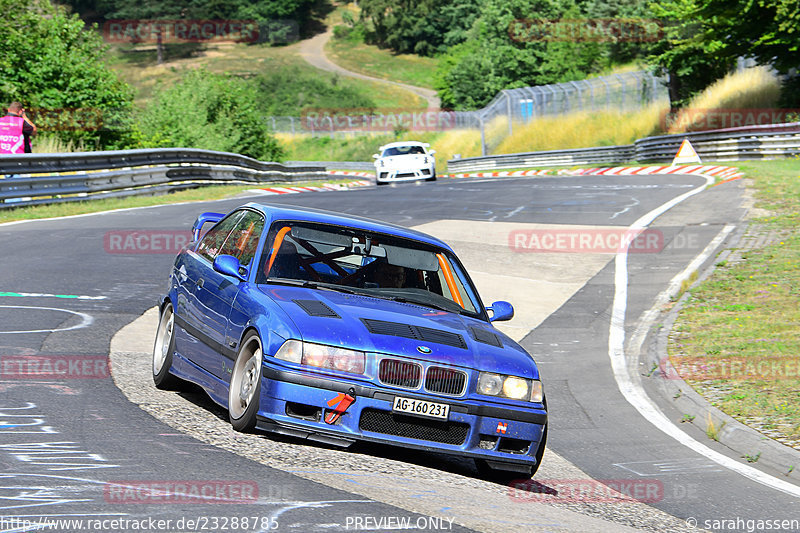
(372, 61)
(136, 64)
(218, 192)
(304, 147)
(737, 338)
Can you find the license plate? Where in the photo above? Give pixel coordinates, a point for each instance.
(421, 408)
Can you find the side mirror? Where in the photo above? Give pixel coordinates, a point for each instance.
(501, 311)
(229, 266)
(432, 152)
(375, 156)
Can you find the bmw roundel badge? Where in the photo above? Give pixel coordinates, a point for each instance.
(423, 349)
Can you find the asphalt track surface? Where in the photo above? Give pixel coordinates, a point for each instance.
(78, 448)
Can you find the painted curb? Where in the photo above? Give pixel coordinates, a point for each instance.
(325, 187)
(717, 171)
(501, 174)
(351, 173)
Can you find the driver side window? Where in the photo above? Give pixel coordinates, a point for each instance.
(211, 243)
(243, 240)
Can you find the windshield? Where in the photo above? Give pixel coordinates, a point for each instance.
(351, 260)
(403, 150)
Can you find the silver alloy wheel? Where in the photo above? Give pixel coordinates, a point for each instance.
(245, 378)
(163, 339)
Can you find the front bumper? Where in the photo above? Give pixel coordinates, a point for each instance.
(296, 404)
(386, 175)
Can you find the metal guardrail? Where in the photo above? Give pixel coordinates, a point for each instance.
(580, 156)
(52, 178)
(363, 166)
(733, 144)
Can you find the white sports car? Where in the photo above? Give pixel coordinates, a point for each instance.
(404, 161)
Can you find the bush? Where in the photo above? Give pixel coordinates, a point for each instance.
(55, 67)
(351, 34)
(292, 90)
(208, 111)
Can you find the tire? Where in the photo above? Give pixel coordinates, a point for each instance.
(163, 350)
(245, 385)
(433, 176)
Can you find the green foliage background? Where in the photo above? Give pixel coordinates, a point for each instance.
(56, 69)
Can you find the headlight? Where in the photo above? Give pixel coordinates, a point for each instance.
(516, 388)
(322, 356)
(490, 384)
(512, 387)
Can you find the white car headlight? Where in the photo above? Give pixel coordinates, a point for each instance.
(322, 356)
(512, 387)
(516, 388)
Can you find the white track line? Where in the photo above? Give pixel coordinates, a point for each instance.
(635, 394)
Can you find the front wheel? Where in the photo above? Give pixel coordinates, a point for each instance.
(163, 351)
(245, 386)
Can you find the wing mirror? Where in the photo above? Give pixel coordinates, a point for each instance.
(229, 266)
(501, 311)
(375, 156)
(431, 152)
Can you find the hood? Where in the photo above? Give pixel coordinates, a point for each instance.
(404, 160)
(375, 325)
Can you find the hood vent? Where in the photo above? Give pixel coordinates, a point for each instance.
(486, 337)
(420, 333)
(317, 308)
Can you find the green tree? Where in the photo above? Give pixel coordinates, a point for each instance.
(208, 111)
(56, 68)
(704, 38)
(502, 54)
(423, 27)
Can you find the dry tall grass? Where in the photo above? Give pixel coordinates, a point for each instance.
(45, 144)
(582, 130)
(750, 89)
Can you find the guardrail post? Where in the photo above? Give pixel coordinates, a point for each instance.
(483, 137)
(508, 113)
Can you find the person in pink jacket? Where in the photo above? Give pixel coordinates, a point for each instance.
(16, 130)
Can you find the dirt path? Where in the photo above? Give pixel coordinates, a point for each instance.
(313, 51)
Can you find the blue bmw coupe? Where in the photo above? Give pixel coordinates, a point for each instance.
(340, 329)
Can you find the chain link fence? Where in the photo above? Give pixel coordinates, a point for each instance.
(629, 91)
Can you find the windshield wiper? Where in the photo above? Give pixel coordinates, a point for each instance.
(404, 300)
(312, 285)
